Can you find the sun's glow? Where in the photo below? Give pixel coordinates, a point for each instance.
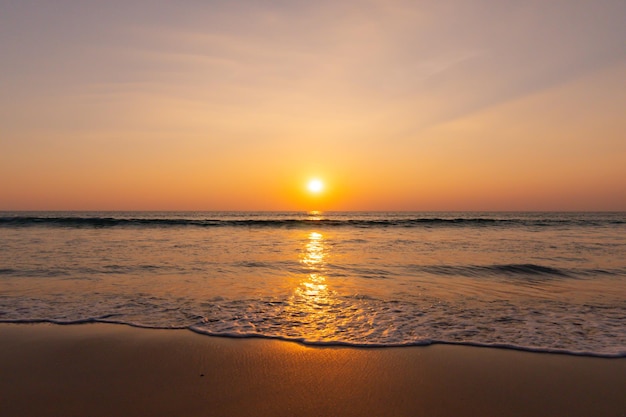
(315, 186)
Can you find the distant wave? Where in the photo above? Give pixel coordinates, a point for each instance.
(506, 269)
(107, 222)
(528, 271)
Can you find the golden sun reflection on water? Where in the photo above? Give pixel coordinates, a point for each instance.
(313, 304)
(315, 285)
(314, 215)
(316, 311)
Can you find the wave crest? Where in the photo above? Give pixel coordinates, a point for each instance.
(107, 222)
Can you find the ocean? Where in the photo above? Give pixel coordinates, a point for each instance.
(549, 282)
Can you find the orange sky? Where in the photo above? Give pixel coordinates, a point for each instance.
(395, 105)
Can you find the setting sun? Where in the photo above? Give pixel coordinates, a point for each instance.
(315, 186)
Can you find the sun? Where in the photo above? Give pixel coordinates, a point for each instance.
(315, 186)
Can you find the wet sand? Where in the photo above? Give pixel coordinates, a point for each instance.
(106, 370)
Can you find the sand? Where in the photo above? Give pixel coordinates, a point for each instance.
(115, 370)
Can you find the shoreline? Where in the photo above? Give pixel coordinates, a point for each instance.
(621, 354)
(101, 369)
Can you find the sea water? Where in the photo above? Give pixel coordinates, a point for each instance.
(536, 281)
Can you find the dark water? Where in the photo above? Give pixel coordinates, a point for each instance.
(538, 281)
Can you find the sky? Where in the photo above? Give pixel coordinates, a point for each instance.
(237, 105)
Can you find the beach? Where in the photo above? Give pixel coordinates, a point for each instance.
(309, 314)
(293, 208)
(105, 369)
